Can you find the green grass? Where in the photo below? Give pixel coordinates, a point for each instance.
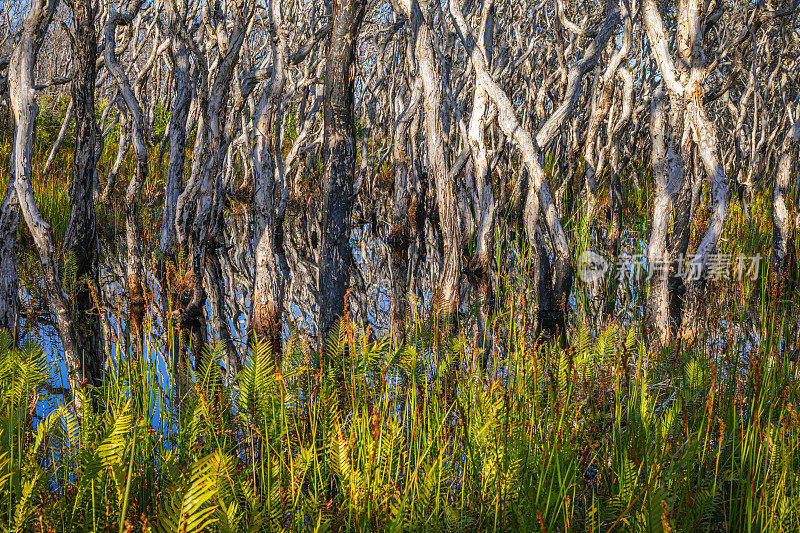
(607, 435)
(600, 437)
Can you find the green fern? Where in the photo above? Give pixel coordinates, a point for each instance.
(69, 272)
(191, 507)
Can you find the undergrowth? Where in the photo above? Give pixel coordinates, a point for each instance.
(601, 436)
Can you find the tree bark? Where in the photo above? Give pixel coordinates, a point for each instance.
(339, 153)
(403, 230)
(479, 270)
(204, 192)
(686, 92)
(554, 292)
(177, 128)
(447, 290)
(668, 173)
(122, 150)
(780, 215)
(269, 286)
(9, 243)
(25, 110)
(81, 236)
(133, 232)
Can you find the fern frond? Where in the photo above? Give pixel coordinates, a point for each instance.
(191, 509)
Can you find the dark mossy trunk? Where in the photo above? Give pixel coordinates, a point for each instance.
(9, 243)
(81, 236)
(339, 153)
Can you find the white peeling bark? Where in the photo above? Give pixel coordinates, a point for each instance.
(429, 71)
(687, 94)
(134, 267)
(668, 175)
(479, 270)
(480, 267)
(199, 206)
(122, 149)
(538, 196)
(22, 98)
(780, 215)
(548, 130)
(269, 286)
(177, 127)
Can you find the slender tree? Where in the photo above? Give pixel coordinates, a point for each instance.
(429, 68)
(780, 215)
(81, 237)
(9, 243)
(134, 265)
(339, 154)
(22, 95)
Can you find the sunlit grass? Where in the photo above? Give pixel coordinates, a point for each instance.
(607, 435)
(603, 436)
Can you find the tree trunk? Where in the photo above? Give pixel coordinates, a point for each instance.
(270, 281)
(122, 150)
(480, 267)
(133, 232)
(339, 153)
(204, 189)
(446, 301)
(9, 243)
(403, 229)
(172, 302)
(81, 235)
(668, 173)
(780, 215)
(177, 132)
(705, 138)
(551, 309)
(25, 110)
(686, 98)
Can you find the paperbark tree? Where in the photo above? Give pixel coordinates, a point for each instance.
(62, 133)
(339, 154)
(197, 216)
(80, 239)
(9, 244)
(554, 289)
(457, 149)
(429, 70)
(686, 92)
(134, 268)
(780, 215)
(479, 268)
(22, 97)
(177, 12)
(269, 286)
(668, 174)
(404, 227)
